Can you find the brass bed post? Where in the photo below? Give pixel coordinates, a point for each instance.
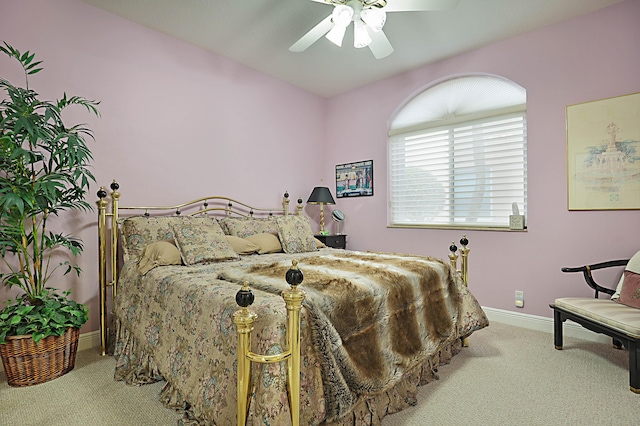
(463, 272)
(115, 199)
(102, 264)
(103, 281)
(244, 320)
(285, 203)
(299, 208)
(464, 259)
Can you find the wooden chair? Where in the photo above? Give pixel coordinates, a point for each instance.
(620, 322)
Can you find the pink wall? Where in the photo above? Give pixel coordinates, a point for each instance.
(177, 122)
(588, 58)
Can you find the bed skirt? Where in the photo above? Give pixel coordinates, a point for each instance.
(135, 365)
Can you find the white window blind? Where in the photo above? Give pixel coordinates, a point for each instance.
(465, 174)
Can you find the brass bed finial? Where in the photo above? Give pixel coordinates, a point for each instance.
(244, 320)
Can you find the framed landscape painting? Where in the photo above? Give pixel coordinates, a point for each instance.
(354, 179)
(603, 153)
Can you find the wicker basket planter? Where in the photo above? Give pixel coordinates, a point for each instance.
(26, 363)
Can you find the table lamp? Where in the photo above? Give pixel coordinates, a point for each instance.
(321, 195)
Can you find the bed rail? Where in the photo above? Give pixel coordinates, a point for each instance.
(110, 211)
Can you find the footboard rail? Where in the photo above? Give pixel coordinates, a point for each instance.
(244, 320)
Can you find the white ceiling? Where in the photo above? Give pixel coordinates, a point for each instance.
(258, 34)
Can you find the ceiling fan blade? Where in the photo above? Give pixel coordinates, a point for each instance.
(419, 5)
(313, 35)
(380, 46)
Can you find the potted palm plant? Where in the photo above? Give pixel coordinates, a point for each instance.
(43, 172)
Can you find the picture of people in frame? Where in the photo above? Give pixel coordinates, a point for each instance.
(354, 179)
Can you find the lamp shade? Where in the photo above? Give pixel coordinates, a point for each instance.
(321, 194)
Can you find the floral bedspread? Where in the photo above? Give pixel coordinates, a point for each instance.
(175, 323)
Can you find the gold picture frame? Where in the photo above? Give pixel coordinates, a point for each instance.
(603, 154)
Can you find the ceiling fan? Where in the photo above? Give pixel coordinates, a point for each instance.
(368, 18)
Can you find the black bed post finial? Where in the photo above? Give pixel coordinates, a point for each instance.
(464, 241)
(245, 297)
(102, 193)
(294, 276)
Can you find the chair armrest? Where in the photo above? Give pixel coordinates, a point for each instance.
(586, 271)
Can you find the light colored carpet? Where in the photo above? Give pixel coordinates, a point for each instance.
(514, 376)
(508, 376)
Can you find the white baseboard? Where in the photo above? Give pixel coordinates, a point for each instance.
(85, 341)
(534, 322)
(89, 340)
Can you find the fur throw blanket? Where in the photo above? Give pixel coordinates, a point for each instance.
(373, 316)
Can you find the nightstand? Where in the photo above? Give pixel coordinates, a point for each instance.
(334, 241)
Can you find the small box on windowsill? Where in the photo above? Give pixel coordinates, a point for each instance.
(516, 222)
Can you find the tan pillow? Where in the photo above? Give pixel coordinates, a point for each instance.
(140, 231)
(295, 234)
(319, 244)
(202, 243)
(248, 226)
(242, 246)
(267, 243)
(160, 253)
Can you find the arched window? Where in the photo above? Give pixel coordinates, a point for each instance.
(458, 155)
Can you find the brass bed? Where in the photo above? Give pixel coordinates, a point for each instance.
(373, 326)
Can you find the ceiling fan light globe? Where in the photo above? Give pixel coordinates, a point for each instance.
(374, 18)
(336, 35)
(361, 37)
(342, 15)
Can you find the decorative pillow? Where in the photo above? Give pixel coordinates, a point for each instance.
(202, 243)
(267, 243)
(160, 253)
(633, 266)
(242, 246)
(319, 244)
(140, 231)
(248, 226)
(295, 234)
(630, 292)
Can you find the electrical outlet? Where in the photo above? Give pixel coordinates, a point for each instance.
(519, 299)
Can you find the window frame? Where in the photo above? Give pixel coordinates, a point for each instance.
(450, 124)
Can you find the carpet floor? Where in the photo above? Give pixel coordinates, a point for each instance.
(507, 376)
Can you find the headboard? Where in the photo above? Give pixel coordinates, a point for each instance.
(111, 214)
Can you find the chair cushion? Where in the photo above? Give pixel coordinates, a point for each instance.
(605, 311)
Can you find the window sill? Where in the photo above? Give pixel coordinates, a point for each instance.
(461, 227)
